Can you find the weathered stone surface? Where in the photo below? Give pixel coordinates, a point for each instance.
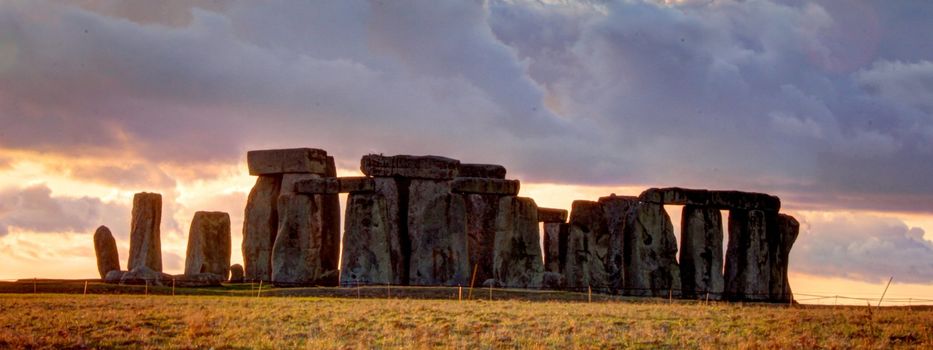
(713, 199)
(260, 225)
(208, 244)
(552, 280)
(787, 230)
(485, 186)
(517, 260)
(105, 247)
(395, 192)
(748, 265)
(551, 215)
(114, 276)
(555, 255)
(145, 241)
(587, 248)
(489, 171)
(335, 185)
(197, 280)
(650, 252)
(143, 274)
(283, 161)
(302, 253)
(437, 233)
(481, 212)
(367, 244)
(701, 252)
(420, 167)
(615, 212)
(236, 273)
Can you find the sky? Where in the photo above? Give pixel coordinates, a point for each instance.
(825, 104)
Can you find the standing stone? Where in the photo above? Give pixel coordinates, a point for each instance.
(517, 261)
(395, 193)
(437, 233)
(650, 252)
(367, 243)
(615, 211)
(587, 248)
(236, 273)
(260, 225)
(145, 242)
(787, 231)
(481, 213)
(105, 247)
(208, 244)
(300, 255)
(701, 252)
(748, 267)
(554, 256)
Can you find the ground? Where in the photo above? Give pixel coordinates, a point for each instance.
(233, 317)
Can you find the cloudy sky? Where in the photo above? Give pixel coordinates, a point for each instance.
(827, 104)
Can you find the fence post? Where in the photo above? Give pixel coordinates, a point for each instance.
(34, 288)
(589, 293)
(472, 281)
(459, 293)
(885, 290)
(147, 287)
(259, 293)
(85, 287)
(173, 286)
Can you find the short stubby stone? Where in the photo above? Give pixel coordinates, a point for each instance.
(105, 247)
(587, 248)
(208, 244)
(481, 212)
(701, 260)
(748, 256)
(517, 260)
(650, 252)
(145, 241)
(551, 215)
(260, 225)
(198, 280)
(485, 186)
(782, 242)
(236, 273)
(419, 167)
(303, 254)
(114, 276)
(437, 234)
(488, 171)
(367, 244)
(143, 275)
(284, 161)
(335, 185)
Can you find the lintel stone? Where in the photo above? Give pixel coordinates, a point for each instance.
(284, 161)
(422, 167)
(485, 186)
(551, 215)
(335, 185)
(489, 171)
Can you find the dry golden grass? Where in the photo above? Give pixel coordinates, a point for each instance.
(231, 322)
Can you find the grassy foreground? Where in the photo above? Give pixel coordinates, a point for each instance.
(230, 322)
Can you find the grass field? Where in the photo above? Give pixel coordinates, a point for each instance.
(233, 318)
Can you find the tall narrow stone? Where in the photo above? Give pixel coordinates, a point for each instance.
(587, 248)
(517, 260)
(105, 247)
(554, 233)
(300, 255)
(208, 244)
(260, 225)
(367, 242)
(787, 231)
(145, 241)
(748, 265)
(437, 233)
(615, 211)
(481, 213)
(650, 252)
(701, 252)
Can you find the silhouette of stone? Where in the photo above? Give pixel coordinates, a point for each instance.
(367, 243)
(236, 273)
(481, 213)
(304, 249)
(418, 167)
(209, 244)
(650, 252)
(517, 260)
(437, 233)
(260, 226)
(615, 212)
(712, 199)
(284, 161)
(489, 171)
(105, 247)
(555, 255)
(701, 252)
(485, 186)
(788, 229)
(550, 215)
(587, 248)
(748, 263)
(335, 185)
(145, 241)
(142, 274)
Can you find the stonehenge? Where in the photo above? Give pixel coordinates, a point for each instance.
(105, 247)
(208, 244)
(145, 234)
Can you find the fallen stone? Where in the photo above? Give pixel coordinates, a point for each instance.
(420, 167)
(481, 212)
(748, 263)
(283, 161)
(650, 253)
(555, 253)
(208, 244)
(550, 215)
(367, 245)
(787, 231)
(143, 275)
(114, 276)
(488, 171)
(587, 248)
(485, 186)
(437, 234)
(260, 225)
(236, 273)
(335, 185)
(517, 260)
(105, 247)
(197, 280)
(615, 213)
(302, 253)
(145, 241)
(701, 252)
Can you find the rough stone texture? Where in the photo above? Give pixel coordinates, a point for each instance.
(236, 273)
(303, 254)
(587, 248)
(615, 211)
(114, 276)
(551, 215)
(713, 199)
(105, 247)
(554, 233)
(437, 233)
(517, 260)
(335, 185)
(485, 186)
(260, 225)
(650, 252)
(787, 230)
(197, 280)
(481, 212)
(552, 280)
(367, 243)
(420, 167)
(283, 161)
(748, 270)
(489, 171)
(143, 274)
(208, 244)
(701, 252)
(145, 241)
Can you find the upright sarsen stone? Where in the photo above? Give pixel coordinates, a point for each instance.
(367, 241)
(615, 211)
(555, 246)
(437, 233)
(587, 248)
(300, 255)
(650, 252)
(701, 252)
(787, 230)
(517, 260)
(260, 226)
(145, 241)
(105, 247)
(748, 263)
(208, 244)
(481, 213)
